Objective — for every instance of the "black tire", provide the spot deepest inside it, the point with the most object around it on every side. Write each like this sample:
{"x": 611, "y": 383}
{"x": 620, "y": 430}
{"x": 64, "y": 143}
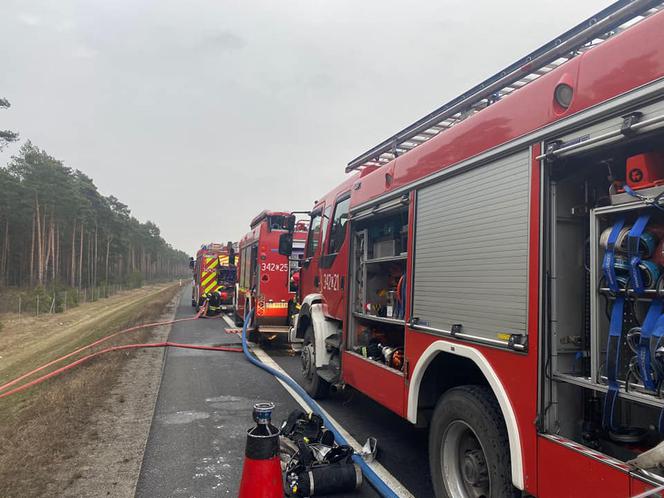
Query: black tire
{"x": 317, "y": 387}
{"x": 239, "y": 322}
{"x": 193, "y": 303}
{"x": 468, "y": 423}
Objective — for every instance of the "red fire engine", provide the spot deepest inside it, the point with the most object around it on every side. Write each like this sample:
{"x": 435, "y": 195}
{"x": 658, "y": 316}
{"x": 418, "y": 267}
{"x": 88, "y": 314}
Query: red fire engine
{"x": 214, "y": 270}
{"x": 266, "y": 281}
{"x": 493, "y": 271}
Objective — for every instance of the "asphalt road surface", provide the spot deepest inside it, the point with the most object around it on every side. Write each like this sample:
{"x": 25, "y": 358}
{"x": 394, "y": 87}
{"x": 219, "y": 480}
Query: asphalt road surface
{"x": 196, "y": 442}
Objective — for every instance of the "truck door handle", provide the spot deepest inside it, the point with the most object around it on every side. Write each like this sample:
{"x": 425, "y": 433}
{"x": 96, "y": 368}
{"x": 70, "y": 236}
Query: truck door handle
{"x": 316, "y": 281}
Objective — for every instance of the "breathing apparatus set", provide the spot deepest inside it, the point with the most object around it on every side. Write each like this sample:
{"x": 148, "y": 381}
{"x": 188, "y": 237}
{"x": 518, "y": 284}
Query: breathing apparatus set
{"x": 312, "y": 461}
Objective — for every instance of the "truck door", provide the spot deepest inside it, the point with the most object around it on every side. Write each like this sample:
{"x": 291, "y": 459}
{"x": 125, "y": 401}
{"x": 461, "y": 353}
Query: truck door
{"x": 253, "y": 270}
{"x": 333, "y": 262}
{"x": 309, "y": 278}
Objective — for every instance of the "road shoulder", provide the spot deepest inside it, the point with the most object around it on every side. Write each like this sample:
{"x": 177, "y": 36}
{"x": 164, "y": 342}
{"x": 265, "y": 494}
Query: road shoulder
{"x": 109, "y": 464}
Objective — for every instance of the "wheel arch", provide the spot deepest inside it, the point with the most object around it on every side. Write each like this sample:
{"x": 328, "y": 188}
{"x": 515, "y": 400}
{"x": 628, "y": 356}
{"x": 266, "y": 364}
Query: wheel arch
{"x": 312, "y": 313}
{"x": 303, "y": 321}
{"x": 304, "y": 315}
{"x": 479, "y": 366}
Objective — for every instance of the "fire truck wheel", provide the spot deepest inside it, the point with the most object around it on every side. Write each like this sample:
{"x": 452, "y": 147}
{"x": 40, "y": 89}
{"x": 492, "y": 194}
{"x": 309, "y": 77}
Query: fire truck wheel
{"x": 317, "y": 387}
{"x": 468, "y": 446}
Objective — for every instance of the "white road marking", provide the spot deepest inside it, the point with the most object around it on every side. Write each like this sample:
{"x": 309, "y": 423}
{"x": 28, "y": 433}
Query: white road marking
{"x": 229, "y": 321}
{"x": 380, "y": 471}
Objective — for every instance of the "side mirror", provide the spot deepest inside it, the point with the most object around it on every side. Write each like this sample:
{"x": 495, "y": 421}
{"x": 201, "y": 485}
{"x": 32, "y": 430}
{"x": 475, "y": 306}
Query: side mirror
{"x": 290, "y": 224}
{"x": 192, "y": 263}
{"x": 231, "y": 254}
{"x": 286, "y": 243}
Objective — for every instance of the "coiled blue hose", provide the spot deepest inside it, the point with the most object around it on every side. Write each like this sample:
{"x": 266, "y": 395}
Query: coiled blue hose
{"x": 377, "y": 483}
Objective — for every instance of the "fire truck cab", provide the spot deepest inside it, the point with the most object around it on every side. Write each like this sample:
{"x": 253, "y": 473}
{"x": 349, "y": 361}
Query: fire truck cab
{"x": 268, "y": 280}
{"x": 494, "y": 271}
{"x": 214, "y": 270}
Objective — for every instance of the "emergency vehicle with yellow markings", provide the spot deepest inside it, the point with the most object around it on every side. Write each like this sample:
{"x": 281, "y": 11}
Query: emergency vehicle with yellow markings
{"x": 267, "y": 281}
{"x": 214, "y": 270}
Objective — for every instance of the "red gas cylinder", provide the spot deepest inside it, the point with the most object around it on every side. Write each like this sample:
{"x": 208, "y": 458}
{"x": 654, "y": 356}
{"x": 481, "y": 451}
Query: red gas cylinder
{"x": 645, "y": 170}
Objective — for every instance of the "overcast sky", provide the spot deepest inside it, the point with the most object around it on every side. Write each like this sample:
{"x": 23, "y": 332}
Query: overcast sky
{"x": 199, "y": 114}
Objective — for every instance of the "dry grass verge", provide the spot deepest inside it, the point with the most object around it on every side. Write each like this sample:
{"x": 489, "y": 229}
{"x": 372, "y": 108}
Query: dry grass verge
{"x": 47, "y": 424}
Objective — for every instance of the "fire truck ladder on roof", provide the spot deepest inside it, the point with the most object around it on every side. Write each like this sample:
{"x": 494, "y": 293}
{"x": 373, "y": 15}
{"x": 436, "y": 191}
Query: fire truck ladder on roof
{"x": 614, "y": 19}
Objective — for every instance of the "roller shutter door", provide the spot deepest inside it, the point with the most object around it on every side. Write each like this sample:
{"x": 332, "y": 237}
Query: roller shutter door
{"x": 471, "y": 250}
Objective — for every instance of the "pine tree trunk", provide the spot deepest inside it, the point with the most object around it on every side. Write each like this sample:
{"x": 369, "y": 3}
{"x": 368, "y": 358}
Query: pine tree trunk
{"x": 44, "y": 241}
{"x": 80, "y": 259}
{"x": 5, "y": 254}
{"x": 53, "y": 250}
{"x": 40, "y": 245}
{"x": 47, "y": 248}
{"x": 2, "y": 258}
{"x": 94, "y": 266}
{"x": 72, "y": 275}
{"x": 57, "y": 259}
{"x": 87, "y": 266}
{"x": 108, "y": 252}
{"x": 32, "y": 253}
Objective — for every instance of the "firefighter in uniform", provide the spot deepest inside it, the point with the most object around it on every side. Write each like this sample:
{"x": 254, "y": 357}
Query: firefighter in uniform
{"x": 214, "y": 303}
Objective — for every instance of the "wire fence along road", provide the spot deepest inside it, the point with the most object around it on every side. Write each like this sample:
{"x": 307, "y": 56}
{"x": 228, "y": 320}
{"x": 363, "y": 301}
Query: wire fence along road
{"x": 39, "y": 302}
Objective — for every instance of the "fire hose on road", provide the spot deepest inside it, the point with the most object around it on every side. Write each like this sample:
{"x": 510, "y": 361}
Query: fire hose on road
{"x": 90, "y": 356}
{"x": 117, "y": 348}
{"x": 381, "y": 487}
{"x": 96, "y": 343}
{"x": 378, "y": 484}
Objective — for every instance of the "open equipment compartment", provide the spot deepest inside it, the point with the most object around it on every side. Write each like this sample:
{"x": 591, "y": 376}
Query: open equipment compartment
{"x": 586, "y": 209}
{"x": 379, "y": 256}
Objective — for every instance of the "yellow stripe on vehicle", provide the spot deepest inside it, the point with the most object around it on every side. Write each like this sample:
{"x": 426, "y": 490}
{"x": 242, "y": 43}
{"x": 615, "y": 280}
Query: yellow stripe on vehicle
{"x": 211, "y": 287}
{"x": 212, "y": 264}
{"x": 223, "y": 260}
{"x": 207, "y": 279}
